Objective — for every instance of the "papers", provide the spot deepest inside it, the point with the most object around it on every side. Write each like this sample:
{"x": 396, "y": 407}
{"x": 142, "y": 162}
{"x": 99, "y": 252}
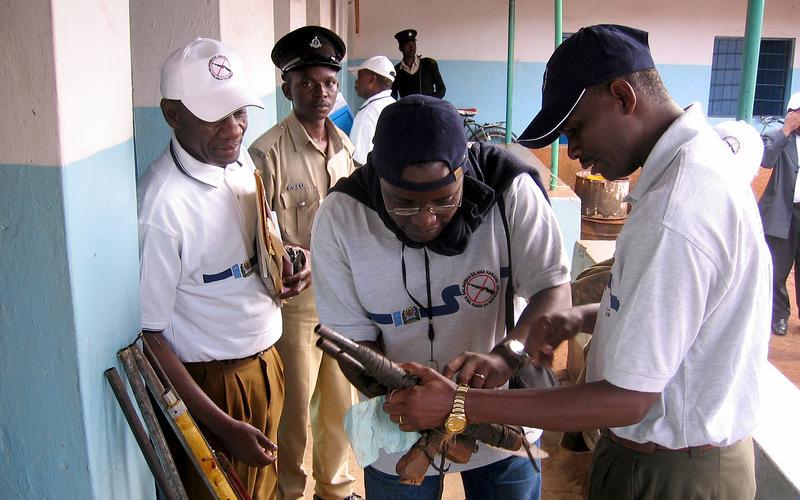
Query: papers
{"x": 269, "y": 246}
{"x": 369, "y": 429}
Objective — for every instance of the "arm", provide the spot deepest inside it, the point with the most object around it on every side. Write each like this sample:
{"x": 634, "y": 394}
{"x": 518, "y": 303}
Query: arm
{"x": 775, "y": 141}
{"x": 596, "y": 404}
{"x": 160, "y": 268}
{"x": 338, "y": 303}
{"x": 540, "y": 273}
{"x": 493, "y": 366}
{"x": 436, "y": 78}
{"x": 245, "y": 442}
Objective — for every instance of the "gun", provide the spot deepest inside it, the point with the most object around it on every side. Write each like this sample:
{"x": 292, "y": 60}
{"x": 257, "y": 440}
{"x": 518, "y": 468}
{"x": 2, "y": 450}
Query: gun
{"x": 373, "y": 375}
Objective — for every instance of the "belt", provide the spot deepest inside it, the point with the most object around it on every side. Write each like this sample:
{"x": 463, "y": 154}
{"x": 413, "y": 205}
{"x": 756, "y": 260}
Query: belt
{"x": 651, "y": 447}
{"x": 229, "y": 362}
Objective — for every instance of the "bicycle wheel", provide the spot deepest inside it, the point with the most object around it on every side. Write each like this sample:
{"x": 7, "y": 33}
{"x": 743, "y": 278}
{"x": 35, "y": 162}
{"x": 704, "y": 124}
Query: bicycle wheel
{"x": 494, "y": 134}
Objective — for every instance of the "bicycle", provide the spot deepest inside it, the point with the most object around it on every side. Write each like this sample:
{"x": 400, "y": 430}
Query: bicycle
{"x": 493, "y": 132}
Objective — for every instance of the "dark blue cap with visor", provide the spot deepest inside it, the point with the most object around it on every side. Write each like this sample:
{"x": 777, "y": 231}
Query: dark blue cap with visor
{"x": 594, "y": 55}
{"x": 418, "y": 129}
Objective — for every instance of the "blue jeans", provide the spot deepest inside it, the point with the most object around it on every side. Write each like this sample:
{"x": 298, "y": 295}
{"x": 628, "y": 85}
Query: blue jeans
{"x": 512, "y": 478}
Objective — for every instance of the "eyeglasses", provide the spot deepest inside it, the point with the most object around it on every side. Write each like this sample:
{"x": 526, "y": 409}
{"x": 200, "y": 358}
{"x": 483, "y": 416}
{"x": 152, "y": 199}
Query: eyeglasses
{"x": 434, "y": 209}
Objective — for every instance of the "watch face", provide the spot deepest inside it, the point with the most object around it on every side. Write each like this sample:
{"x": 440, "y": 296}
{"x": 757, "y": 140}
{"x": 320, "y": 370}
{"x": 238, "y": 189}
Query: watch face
{"x": 516, "y": 347}
{"x": 455, "y": 423}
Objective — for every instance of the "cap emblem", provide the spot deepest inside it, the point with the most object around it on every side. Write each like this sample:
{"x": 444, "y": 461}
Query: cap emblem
{"x": 220, "y": 67}
{"x": 315, "y": 43}
{"x": 410, "y": 35}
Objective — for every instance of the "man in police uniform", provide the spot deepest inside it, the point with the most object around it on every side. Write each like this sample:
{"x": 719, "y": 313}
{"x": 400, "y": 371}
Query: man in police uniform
{"x": 300, "y": 159}
{"x": 415, "y": 74}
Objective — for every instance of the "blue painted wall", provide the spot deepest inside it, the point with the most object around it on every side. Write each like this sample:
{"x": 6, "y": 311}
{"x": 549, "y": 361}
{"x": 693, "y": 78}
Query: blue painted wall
{"x": 70, "y": 301}
{"x": 151, "y": 132}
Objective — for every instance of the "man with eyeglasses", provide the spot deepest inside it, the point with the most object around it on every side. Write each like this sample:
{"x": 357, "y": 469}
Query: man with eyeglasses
{"x": 411, "y": 257}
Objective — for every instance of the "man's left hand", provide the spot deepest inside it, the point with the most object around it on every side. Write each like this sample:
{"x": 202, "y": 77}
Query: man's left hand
{"x": 295, "y": 283}
{"x": 423, "y": 406}
{"x": 482, "y": 371}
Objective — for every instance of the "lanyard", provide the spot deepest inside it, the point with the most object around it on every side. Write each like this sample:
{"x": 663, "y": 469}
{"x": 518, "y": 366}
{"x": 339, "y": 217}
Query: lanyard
{"x": 429, "y": 309}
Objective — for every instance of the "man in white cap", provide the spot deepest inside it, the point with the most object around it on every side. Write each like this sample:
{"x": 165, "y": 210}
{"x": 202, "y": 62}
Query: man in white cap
{"x": 780, "y": 209}
{"x": 374, "y": 83}
{"x": 205, "y": 313}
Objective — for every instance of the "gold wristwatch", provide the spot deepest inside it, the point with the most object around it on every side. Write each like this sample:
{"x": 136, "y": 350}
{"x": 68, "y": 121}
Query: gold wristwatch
{"x": 456, "y": 422}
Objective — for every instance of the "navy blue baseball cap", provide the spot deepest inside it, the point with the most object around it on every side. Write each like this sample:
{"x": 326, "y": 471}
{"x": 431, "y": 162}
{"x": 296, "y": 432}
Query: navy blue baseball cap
{"x": 593, "y": 55}
{"x": 418, "y": 129}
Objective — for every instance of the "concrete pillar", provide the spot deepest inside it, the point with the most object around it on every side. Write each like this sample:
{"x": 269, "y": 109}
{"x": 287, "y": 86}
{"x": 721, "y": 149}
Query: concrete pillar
{"x": 157, "y": 29}
{"x": 289, "y": 15}
{"x": 68, "y": 250}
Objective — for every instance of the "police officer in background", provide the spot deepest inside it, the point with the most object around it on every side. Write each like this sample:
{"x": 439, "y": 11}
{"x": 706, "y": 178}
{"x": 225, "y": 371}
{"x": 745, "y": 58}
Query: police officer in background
{"x": 415, "y": 74}
{"x": 300, "y": 158}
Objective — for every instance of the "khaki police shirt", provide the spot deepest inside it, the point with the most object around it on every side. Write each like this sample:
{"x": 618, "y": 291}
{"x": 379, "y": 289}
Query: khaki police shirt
{"x": 297, "y": 174}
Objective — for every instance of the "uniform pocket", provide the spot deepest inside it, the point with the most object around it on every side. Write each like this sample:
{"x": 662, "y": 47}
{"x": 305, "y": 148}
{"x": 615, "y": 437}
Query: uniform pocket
{"x": 299, "y": 207}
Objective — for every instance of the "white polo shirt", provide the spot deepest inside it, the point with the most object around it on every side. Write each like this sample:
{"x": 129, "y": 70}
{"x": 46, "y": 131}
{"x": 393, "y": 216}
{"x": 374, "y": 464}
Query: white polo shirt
{"x": 686, "y": 312}
{"x": 365, "y": 122}
{"x": 196, "y": 236}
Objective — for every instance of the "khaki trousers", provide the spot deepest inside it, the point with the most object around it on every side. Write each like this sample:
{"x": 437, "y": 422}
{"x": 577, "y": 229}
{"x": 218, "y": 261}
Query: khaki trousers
{"x": 316, "y": 390}
{"x": 249, "y": 390}
{"x": 619, "y": 473}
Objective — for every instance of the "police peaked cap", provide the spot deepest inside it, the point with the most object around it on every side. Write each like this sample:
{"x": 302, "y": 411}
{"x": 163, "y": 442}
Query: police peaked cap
{"x": 406, "y": 35}
{"x": 308, "y": 46}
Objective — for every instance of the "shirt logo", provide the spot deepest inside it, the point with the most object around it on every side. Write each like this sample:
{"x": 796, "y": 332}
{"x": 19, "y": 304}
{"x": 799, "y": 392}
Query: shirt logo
{"x": 480, "y": 288}
{"x": 295, "y": 187}
{"x": 220, "y": 68}
{"x": 410, "y": 315}
{"x": 315, "y": 43}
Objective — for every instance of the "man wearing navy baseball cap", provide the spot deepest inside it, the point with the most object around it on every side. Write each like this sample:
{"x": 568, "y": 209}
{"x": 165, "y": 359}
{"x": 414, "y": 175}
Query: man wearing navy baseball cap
{"x": 413, "y": 256}
{"x": 681, "y": 332}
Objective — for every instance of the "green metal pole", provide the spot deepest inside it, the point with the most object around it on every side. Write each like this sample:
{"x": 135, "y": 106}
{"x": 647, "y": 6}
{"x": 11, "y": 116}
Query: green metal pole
{"x": 554, "y": 153}
{"x": 752, "y": 46}
{"x": 510, "y": 66}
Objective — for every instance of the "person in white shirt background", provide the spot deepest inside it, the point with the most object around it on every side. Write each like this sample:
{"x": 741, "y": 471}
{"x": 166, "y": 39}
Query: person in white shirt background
{"x": 374, "y": 84}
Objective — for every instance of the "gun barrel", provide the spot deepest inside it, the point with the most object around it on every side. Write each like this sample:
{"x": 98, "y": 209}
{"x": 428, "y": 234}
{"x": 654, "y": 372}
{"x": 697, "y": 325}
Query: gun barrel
{"x": 342, "y": 342}
{"x": 375, "y": 364}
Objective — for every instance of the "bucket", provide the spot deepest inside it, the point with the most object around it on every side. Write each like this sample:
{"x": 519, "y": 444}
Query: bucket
{"x": 601, "y": 198}
{"x": 603, "y": 211}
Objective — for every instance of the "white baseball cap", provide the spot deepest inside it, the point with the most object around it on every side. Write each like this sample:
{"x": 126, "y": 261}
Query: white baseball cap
{"x": 378, "y": 64}
{"x": 208, "y": 78}
{"x": 794, "y": 102}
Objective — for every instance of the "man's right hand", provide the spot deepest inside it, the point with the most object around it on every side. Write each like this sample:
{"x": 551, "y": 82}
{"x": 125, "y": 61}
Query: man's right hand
{"x": 791, "y": 122}
{"x": 550, "y": 330}
{"x": 247, "y": 444}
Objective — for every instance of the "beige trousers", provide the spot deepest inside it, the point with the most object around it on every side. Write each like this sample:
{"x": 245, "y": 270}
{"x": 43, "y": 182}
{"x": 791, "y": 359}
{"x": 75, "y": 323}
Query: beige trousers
{"x": 316, "y": 391}
{"x": 250, "y": 390}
